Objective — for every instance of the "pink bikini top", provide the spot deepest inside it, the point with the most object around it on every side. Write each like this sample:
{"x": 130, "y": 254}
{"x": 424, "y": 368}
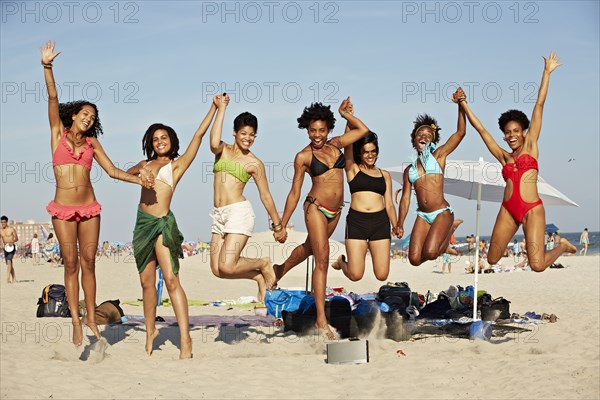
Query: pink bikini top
{"x": 64, "y": 153}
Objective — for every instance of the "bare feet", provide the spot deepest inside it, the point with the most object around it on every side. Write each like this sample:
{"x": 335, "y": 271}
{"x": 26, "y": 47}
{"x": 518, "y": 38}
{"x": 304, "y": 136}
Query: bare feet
{"x": 185, "y": 349}
{"x": 77, "y": 333}
{"x": 268, "y": 273}
{"x": 262, "y": 288}
{"x": 325, "y": 330}
{"x": 339, "y": 263}
{"x": 150, "y": 336}
{"x": 568, "y": 246}
{"x": 93, "y": 327}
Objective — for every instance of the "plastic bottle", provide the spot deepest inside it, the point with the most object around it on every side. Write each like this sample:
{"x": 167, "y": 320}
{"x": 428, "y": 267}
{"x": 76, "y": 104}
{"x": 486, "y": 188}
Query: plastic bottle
{"x": 480, "y": 330}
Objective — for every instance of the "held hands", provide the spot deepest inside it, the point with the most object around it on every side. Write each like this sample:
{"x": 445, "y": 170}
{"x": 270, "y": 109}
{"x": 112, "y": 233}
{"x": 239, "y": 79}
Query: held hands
{"x": 459, "y": 96}
{"x": 221, "y": 101}
{"x": 551, "y": 63}
{"x": 146, "y": 178}
{"x": 346, "y": 107}
{"x": 398, "y": 231}
{"x": 280, "y": 236}
{"x": 48, "y": 54}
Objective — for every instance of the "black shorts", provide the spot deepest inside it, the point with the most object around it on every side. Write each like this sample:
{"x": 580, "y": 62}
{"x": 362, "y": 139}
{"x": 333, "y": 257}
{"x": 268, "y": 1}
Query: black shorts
{"x": 9, "y": 256}
{"x": 368, "y": 226}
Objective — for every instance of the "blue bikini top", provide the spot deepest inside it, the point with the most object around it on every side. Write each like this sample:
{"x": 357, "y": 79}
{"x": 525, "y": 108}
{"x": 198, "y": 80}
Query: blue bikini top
{"x": 430, "y": 164}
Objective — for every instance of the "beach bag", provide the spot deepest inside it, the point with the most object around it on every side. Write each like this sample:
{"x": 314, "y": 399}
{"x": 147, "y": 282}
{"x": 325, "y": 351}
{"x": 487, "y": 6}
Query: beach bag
{"x": 53, "y": 302}
{"x": 338, "y": 312}
{"x": 398, "y": 297}
{"x": 109, "y": 312}
{"x": 279, "y": 300}
{"x": 499, "y": 304}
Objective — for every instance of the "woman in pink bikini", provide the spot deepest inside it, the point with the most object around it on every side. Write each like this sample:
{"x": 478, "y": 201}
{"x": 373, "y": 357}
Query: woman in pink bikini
{"x": 74, "y": 129}
{"x": 522, "y": 204}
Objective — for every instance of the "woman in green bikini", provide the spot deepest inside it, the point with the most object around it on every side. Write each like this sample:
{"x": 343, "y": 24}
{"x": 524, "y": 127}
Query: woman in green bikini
{"x": 324, "y": 161}
{"x": 156, "y": 238}
{"x": 233, "y": 216}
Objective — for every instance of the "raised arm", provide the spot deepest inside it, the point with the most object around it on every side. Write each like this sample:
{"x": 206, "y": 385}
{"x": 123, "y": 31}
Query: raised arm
{"x": 358, "y": 130}
{"x": 489, "y": 141}
{"x": 404, "y": 203}
{"x": 351, "y": 167}
{"x": 56, "y": 126}
{"x": 461, "y": 128}
{"x": 550, "y": 64}
{"x": 182, "y": 163}
{"x": 216, "y": 145}
{"x": 257, "y": 171}
{"x": 144, "y": 179}
{"x": 292, "y": 199}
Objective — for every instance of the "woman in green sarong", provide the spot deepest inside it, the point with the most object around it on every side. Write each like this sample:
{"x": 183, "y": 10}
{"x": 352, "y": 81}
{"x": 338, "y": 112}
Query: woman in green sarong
{"x": 156, "y": 238}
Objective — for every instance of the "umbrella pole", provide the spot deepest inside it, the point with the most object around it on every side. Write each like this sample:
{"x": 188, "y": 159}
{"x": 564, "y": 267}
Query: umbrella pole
{"x": 476, "y": 267}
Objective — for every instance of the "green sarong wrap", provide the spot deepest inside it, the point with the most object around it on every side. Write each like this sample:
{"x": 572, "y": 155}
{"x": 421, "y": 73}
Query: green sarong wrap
{"x": 146, "y": 232}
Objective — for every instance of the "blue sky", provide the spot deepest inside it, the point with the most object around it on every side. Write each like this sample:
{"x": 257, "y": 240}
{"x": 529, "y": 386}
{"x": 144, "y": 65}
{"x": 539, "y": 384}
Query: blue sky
{"x": 154, "y": 61}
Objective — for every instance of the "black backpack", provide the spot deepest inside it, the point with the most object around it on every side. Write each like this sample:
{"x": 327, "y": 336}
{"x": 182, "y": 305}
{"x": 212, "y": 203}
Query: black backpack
{"x": 53, "y": 302}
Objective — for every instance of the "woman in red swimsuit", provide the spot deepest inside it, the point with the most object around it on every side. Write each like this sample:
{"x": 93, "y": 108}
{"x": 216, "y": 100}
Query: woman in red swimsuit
{"x": 323, "y": 160}
{"x": 522, "y": 204}
{"x": 74, "y": 128}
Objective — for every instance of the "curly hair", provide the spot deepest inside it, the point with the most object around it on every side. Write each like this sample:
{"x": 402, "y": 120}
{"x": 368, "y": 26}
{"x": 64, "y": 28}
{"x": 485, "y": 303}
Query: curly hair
{"x": 371, "y": 137}
{"x": 513, "y": 115}
{"x": 245, "y": 119}
{"x": 67, "y": 110}
{"x": 147, "y": 142}
{"x": 316, "y": 112}
{"x": 425, "y": 119}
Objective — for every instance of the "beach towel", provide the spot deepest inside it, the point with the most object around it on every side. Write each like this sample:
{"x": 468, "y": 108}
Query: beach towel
{"x": 147, "y": 229}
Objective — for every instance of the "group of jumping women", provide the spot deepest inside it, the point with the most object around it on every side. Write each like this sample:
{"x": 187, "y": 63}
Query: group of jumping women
{"x": 370, "y": 222}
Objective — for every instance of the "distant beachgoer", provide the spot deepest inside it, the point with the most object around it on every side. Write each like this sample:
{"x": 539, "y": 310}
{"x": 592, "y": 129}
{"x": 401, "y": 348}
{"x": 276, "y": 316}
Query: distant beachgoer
{"x": 435, "y": 221}
{"x": 521, "y": 204}
{"x": 233, "y": 216}
{"x": 9, "y": 238}
{"x": 74, "y": 129}
{"x": 446, "y": 263}
{"x": 156, "y": 238}
{"x": 471, "y": 243}
{"x": 584, "y": 240}
{"x": 515, "y": 248}
{"x": 324, "y": 161}
{"x": 371, "y": 211}
{"x": 35, "y": 249}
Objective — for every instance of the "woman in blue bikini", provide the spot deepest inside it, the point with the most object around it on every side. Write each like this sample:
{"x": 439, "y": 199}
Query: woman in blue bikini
{"x": 435, "y": 222}
{"x": 324, "y": 161}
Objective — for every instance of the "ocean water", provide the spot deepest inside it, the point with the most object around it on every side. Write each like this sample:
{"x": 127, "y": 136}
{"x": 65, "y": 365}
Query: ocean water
{"x": 573, "y": 237}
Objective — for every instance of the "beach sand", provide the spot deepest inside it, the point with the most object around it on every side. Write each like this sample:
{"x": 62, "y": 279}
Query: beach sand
{"x": 559, "y": 360}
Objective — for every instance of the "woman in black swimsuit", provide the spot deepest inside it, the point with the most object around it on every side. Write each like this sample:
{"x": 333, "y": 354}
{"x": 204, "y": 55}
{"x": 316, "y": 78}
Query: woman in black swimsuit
{"x": 371, "y": 211}
{"x": 323, "y": 160}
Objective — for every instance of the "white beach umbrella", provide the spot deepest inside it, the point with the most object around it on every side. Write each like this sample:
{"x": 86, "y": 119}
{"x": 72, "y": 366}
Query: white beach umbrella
{"x": 462, "y": 177}
{"x": 483, "y": 180}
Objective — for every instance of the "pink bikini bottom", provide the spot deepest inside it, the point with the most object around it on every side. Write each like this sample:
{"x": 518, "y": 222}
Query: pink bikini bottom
{"x": 76, "y": 213}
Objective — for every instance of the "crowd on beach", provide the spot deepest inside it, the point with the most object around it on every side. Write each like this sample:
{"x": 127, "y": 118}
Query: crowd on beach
{"x": 329, "y": 162}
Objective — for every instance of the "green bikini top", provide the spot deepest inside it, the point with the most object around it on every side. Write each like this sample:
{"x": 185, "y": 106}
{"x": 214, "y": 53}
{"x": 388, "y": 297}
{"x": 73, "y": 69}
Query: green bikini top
{"x": 232, "y": 168}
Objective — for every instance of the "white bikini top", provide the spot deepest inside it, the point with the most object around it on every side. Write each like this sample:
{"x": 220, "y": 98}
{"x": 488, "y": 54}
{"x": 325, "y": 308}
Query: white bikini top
{"x": 165, "y": 174}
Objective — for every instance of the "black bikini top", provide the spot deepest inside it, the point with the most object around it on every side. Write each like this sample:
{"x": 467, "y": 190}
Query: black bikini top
{"x": 366, "y": 183}
{"x": 317, "y": 167}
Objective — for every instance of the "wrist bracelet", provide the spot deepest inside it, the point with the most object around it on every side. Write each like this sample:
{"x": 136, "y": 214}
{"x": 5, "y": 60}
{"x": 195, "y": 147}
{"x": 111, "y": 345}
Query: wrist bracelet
{"x": 47, "y": 66}
{"x": 343, "y": 113}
